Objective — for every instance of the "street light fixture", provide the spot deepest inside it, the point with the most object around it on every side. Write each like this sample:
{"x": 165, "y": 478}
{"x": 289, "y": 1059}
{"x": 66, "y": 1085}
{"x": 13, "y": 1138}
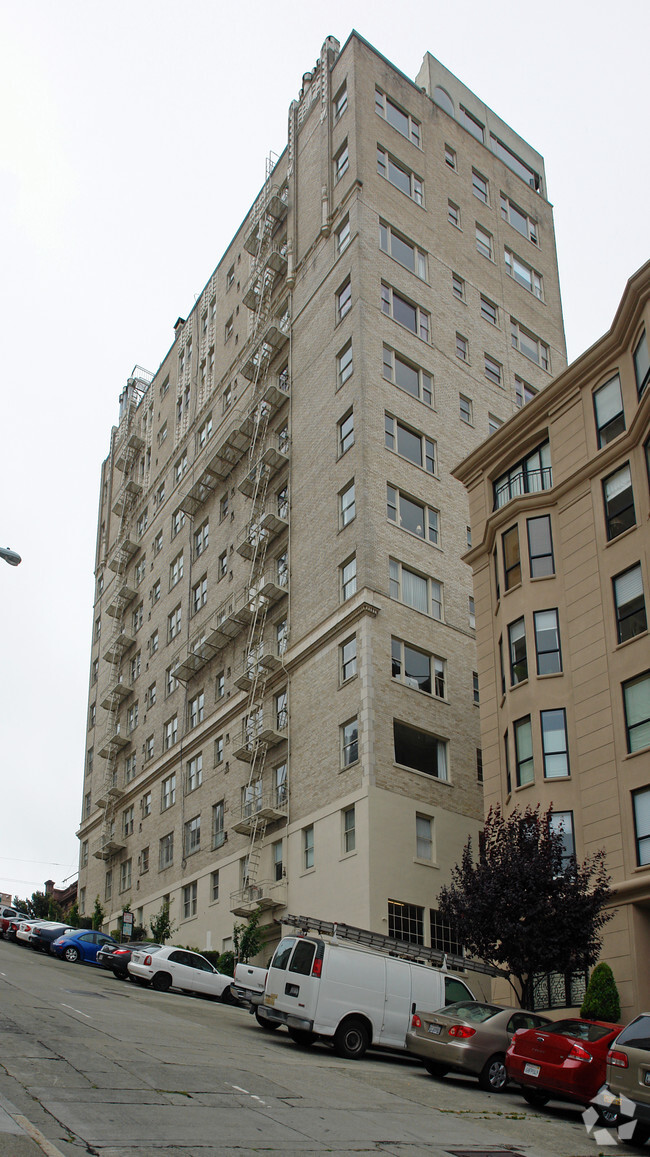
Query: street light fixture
{"x": 10, "y": 555}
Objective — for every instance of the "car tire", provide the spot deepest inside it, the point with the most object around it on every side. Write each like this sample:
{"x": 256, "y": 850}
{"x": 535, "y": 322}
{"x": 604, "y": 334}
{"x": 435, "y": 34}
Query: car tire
{"x": 269, "y": 1025}
{"x": 435, "y": 1070}
{"x": 227, "y": 995}
{"x": 141, "y": 980}
{"x": 119, "y": 975}
{"x": 609, "y": 1117}
{"x": 71, "y": 954}
{"x": 536, "y": 1098}
{"x": 351, "y": 1039}
{"x": 302, "y": 1037}
{"x": 493, "y": 1076}
{"x": 161, "y": 981}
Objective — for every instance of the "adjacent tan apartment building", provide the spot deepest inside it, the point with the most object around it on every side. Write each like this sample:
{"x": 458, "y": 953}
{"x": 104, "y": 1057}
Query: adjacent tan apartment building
{"x": 559, "y": 508}
{"x": 283, "y": 699}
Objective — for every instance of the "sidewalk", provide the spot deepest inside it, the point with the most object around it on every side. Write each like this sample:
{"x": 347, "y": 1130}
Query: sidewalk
{"x": 19, "y": 1138}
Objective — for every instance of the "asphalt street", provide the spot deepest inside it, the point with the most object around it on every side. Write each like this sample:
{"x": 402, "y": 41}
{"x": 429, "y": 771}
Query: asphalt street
{"x": 92, "y": 1065}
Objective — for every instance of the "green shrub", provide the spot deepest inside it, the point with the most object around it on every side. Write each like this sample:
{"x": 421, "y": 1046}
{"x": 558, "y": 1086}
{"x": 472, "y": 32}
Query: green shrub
{"x": 226, "y": 963}
{"x": 601, "y": 1000}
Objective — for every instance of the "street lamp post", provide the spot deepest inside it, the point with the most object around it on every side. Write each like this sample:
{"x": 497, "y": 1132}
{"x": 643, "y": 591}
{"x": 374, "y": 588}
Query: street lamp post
{"x": 10, "y": 555}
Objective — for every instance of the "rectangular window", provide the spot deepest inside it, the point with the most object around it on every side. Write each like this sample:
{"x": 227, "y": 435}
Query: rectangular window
{"x": 475, "y": 689}
{"x": 218, "y": 750}
{"x": 619, "y": 502}
{"x": 196, "y": 709}
{"x": 409, "y": 444}
{"x": 399, "y": 175}
{"x": 453, "y": 214}
{"x": 489, "y": 311}
{"x": 347, "y": 505}
{"x": 281, "y": 711}
{"x": 423, "y": 838}
{"x": 343, "y": 236}
{"x": 343, "y": 300}
{"x": 458, "y": 286}
{"x": 493, "y": 423}
{"x": 450, "y": 157}
{"x": 341, "y": 161}
{"x": 524, "y": 751}
{"x": 608, "y": 409}
{"x": 149, "y": 747}
{"x": 493, "y": 370}
{"x": 518, "y": 655}
{"x": 480, "y": 187}
{"x": 515, "y": 164}
{"x": 471, "y": 124}
{"x": 204, "y": 433}
{"x": 405, "y": 312}
{"x": 408, "y": 377}
{"x": 629, "y": 603}
{"x": 346, "y": 433}
{"x": 641, "y": 807}
{"x": 170, "y": 732}
{"x": 146, "y": 804}
{"x": 540, "y": 546}
{"x": 402, "y": 250}
{"x": 218, "y": 834}
{"x": 176, "y": 570}
{"x": 444, "y": 936}
{"x": 462, "y": 348}
{"x": 280, "y": 785}
{"x": 174, "y": 623}
{"x": 636, "y": 703}
{"x": 195, "y": 772}
{"x": 641, "y": 359}
{"x": 349, "y": 831}
{"x": 417, "y": 669}
{"x": 519, "y": 220}
{"x": 348, "y": 654}
{"x": 166, "y": 851}
{"x": 528, "y": 344}
{"x": 547, "y": 642}
{"x": 420, "y": 750}
{"x": 144, "y": 861}
{"x": 180, "y": 468}
{"x": 199, "y": 594}
{"x": 423, "y": 594}
{"x": 523, "y": 391}
{"x": 511, "y": 557}
{"x": 278, "y": 866}
{"x": 137, "y": 617}
{"x": 397, "y": 117}
{"x": 555, "y": 747}
{"x": 523, "y": 273}
{"x": 484, "y": 242}
{"x": 189, "y": 900}
{"x": 178, "y": 522}
{"x": 168, "y": 792}
{"x": 222, "y": 565}
{"x": 412, "y": 516}
{"x": 214, "y": 886}
{"x": 171, "y": 682}
{"x": 192, "y": 836}
{"x": 308, "y": 847}
{"x": 530, "y": 475}
{"x": 479, "y": 765}
{"x": 158, "y": 542}
{"x": 562, "y": 824}
{"x": 406, "y": 922}
{"x": 344, "y": 364}
{"x": 340, "y": 102}
{"x": 349, "y": 742}
{"x": 125, "y": 875}
{"x": 108, "y": 885}
{"x": 348, "y": 578}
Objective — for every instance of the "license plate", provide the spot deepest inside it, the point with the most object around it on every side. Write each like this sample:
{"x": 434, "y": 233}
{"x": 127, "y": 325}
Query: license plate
{"x": 646, "y": 1077}
{"x": 436, "y": 1029}
{"x": 531, "y": 1070}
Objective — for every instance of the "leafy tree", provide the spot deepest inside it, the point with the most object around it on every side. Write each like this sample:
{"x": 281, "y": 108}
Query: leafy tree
{"x": 98, "y": 915}
{"x": 523, "y": 908}
{"x": 73, "y": 915}
{"x": 226, "y": 963}
{"x": 161, "y": 925}
{"x": 38, "y": 907}
{"x": 601, "y": 1000}
{"x": 248, "y": 938}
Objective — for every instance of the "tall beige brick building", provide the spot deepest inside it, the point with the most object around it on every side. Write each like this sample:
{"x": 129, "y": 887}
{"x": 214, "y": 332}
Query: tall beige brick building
{"x": 559, "y": 507}
{"x": 283, "y": 700}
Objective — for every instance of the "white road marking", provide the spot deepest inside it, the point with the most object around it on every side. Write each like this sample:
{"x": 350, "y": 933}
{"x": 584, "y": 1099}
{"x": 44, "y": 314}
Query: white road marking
{"x": 240, "y": 1090}
{"x": 77, "y": 1010}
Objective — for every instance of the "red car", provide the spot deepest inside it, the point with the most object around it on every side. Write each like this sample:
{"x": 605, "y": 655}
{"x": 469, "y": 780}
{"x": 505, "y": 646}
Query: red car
{"x": 565, "y": 1061}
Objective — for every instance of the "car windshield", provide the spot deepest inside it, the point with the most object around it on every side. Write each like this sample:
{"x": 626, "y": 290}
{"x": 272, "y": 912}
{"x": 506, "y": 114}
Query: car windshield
{"x": 579, "y": 1030}
{"x": 472, "y": 1010}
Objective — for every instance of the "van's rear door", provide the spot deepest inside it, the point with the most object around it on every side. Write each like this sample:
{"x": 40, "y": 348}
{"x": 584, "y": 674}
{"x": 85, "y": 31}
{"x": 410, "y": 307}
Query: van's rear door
{"x": 293, "y": 982}
{"x": 397, "y": 1004}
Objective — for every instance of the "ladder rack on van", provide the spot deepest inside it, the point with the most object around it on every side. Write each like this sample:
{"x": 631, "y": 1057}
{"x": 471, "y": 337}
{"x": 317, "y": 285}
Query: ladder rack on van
{"x": 377, "y": 940}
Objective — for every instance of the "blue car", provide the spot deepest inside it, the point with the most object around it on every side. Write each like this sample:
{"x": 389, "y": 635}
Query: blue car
{"x": 82, "y": 945}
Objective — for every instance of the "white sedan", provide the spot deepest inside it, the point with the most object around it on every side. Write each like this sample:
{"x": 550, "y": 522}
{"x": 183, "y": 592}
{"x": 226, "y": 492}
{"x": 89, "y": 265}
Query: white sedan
{"x": 179, "y": 968}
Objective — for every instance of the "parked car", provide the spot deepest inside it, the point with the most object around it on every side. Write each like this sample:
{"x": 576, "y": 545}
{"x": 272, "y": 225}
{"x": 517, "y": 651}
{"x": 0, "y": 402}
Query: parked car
{"x": 627, "y": 1089}
{"x": 9, "y": 924}
{"x": 171, "y": 967}
{"x": 83, "y": 945}
{"x": 6, "y": 911}
{"x": 564, "y": 1062}
{"x": 469, "y": 1036}
{"x": 116, "y": 959}
{"x": 43, "y": 935}
{"x": 26, "y": 928}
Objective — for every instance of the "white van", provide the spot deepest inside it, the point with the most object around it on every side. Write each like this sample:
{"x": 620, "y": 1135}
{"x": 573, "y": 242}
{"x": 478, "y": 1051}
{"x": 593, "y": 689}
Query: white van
{"x": 355, "y": 997}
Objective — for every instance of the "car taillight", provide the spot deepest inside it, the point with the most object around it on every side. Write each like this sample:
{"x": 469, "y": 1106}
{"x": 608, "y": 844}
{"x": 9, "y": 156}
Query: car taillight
{"x": 147, "y": 960}
{"x": 579, "y": 1054}
{"x": 461, "y": 1030}
{"x": 415, "y": 1021}
{"x": 616, "y": 1058}
{"x": 119, "y": 951}
{"x": 317, "y": 968}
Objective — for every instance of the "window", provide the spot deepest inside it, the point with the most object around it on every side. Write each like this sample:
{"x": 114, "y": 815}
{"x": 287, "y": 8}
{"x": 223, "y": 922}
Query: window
{"x": 453, "y": 214}
{"x": 423, "y": 838}
{"x": 349, "y": 832}
{"x": 397, "y": 117}
{"x": 493, "y": 423}
{"x": 555, "y": 748}
{"x": 230, "y": 278}
{"x": 218, "y": 833}
{"x": 619, "y": 502}
{"x": 170, "y": 732}
{"x": 180, "y": 468}
{"x": 149, "y": 747}
{"x": 125, "y": 875}
{"x": 471, "y": 124}
{"x": 281, "y": 711}
{"x": 189, "y": 900}
{"x": 164, "y": 387}
{"x": 523, "y": 273}
{"x": 174, "y": 623}
{"x": 176, "y": 570}
{"x": 159, "y": 496}
{"x": 199, "y": 594}
{"x": 87, "y": 805}
{"x": 222, "y": 565}
{"x": 348, "y": 653}
{"x": 90, "y": 759}
{"x": 155, "y": 591}
{"x": 158, "y": 542}
{"x": 280, "y": 784}
{"x": 444, "y": 937}
{"x": 489, "y": 311}
{"x": 511, "y": 557}
{"x": 400, "y": 176}
{"x": 419, "y": 750}
{"x": 458, "y": 286}
{"x": 480, "y": 187}
{"x": 349, "y": 742}
{"x": 226, "y": 399}
{"x": 523, "y": 392}
{"x": 344, "y": 364}
{"x": 402, "y": 250}
{"x": 450, "y": 157}
{"x": 475, "y": 691}
{"x": 471, "y": 606}
{"x": 218, "y": 750}
{"x": 136, "y": 663}
{"x": 108, "y": 884}
{"x": 524, "y": 751}
{"x": 518, "y": 655}
{"x": 608, "y": 408}
{"x": 409, "y": 444}
{"x": 405, "y": 312}
{"x": 171, "y": 682}
{"x": 166, "y": 851}
{"x": 641, "y": 360}
{"x": 462, "y": 348}
{"x": 515, "y": 163}
{"x": 636, "y": 702}
{"x": 178, "y": 522}
{"x": 518, "y": 219}
{"x": 547, "y": 642}
{"x": 412, "y": 516}
{"x": 142, "y": 523}
{"x": 465, "y": 409}
{"x": 423, "y": 594}
{"x": 343, "y": 236}
{"x": 531, "y": 346}
{"x": 408, "y": 377}
{"x": 281, "y": 637}
{"x": 195, "y": 772}
{"x": 282, "y": 569}
{"x": 220, "y": 685}
{"x": 132, "y": 718}
{"x": 341, "y": 161}
{"x": 204, "y": 433}
{"x": 346, "y": 432}
{"x": 641, "y": 808}
{"x": 406, "y": 922}
{"x": 348, "y": 578}
{"x": 540, "y": 546}
{"x": 140, "y": 570}
{"x": 196, "y": 709}
{"x": 228, "y": 328}
{"x": 192, "y": 836}
{"x": 214, "y": 885}
{"x": 128, "y": 819}
{"x": 137, "y": 617}
{"x": 308, "y": 847}
{"x": 484, "y": 242}
{"x": 84, "y": 854}
{"x": 417, "y": 669}
{"x": 144, "y": 860}
{"x": 278, "y": 867}
{"x": 343, "y": 301}
{"x": 146, "y": 804}
{"x": 340, "y": 102}
{"x": 562, "y": 824}
{"x": 629, "y": 603}
{"x": 347, "y": 506}
{"x": 531, "y": 474}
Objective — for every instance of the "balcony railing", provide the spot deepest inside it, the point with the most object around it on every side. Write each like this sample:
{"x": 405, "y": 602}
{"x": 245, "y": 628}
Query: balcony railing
{"x": 264, "y": 894}
{"x": 523, "y": 482}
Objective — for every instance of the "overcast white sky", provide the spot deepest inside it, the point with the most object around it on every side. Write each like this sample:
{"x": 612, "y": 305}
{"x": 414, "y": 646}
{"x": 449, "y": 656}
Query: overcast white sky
{"x": 133, "y": 137}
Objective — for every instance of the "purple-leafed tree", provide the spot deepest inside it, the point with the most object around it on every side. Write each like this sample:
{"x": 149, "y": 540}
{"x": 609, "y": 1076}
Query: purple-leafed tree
{"x": 523, "y": 905}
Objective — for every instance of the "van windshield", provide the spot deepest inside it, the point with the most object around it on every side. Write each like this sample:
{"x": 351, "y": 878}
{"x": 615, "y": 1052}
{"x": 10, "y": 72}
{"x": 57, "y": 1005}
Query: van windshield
{"x": 302, "y": 959}
{"x": 283, "y": 952}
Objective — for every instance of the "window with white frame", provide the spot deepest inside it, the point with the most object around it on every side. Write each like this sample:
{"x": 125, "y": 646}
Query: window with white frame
{"x": 171, "y": 682}
{"x": 218, "y": 750}
{"x": 251, "y": 798}
{"x": 176, "y": 570}
{"x": 555, "y": 744}
{"x": 420, "y": 750}
{"x": 450, "y": 157}
{"x": 349, "y": 742}
{"x": 344, "y": 364}
{"x": 128, "y": 820}
{"x": 493, "y": 370}
{"x": 192, "y": 835}
{"x": 136, "y": 666}
{"x": 484, "y": 242}
{"x": 423, "y": 837}
{"x": 348, "y": 572}
{"x": 201, "y": 538}
{"x": 489, "y": 311}
{"x": 342, "y": 236}
{"x": 166, "y": 851}
{"x": 453, "y": 214}
{"x": 130, "y": 767}
{"x": 417, "y": 669}
{"x": 523, "y": 391}
{"x": 407, "y": 376}
{"x": 149, "y": 747}
{"x": 518, "y": 652}
{"x": 458, "y": 286}
{"x": 523, "y": 273}
{"x": 519, "y": 220}
{"x": 308, "y": 847}
{"x": 168, "y": 791}
{"x": 341, "y": 161}
{"x": 347, "y": 505}
{"x": 282, "y": 569}
{"x": 190, "y": 900}
{"x": 278, "y": 866}
{"x": 629, "y": 603}
{"x": 402, "y": 250}
{"x": 641, "y": 810}
{"x": 348, "y": 658}
{"x": 178, "y": 521}
{"x": 137, "y": 617}
{"x": 528, "y": 344}
{"x": 409, "y": 444}
{"x": 195, "y": 772}
{"x": 170, "y": 732}
{"x": 156, "y": 591}
{"x": 412, "y": 516}
{"x": 471, "y": 124}
{"x": 132, "y": 717}
{"x": 349, "y": 830}
{"x": 214, "y": 886}
{"x": 222, "y": 565}
{"x": 618, "y": 495}
{"x": 405, "y": 312}
{"x": 415, "y": 590}
{"x": 174, "y": 623}
{"x": 199, "y": 594}
{"x": 204, "y": 432}
{"x": 401, "y": 120}
{"x": 280, "y": 784}
{"x": 140, "y": 570}
{"x": 480, "y": 186}
{"x": 218, "y": 833}
{"x": 281, "y": 710}
{"x": 180, "y": 467}
{"x": 462, "y": 347}
{"x": 125, "y": 875}
{"x": 158, "y": 542}
{"x": 608, "y": 410}
{"x": 547, "y": 642}
{"x": 493, "y": 423}
{"x": 281, "y": 637}
{"x": 344, "y": 300}
{"x": 146, "y": 804}
{"x": 340, "y": 101}
{"x": 399, "y": 175}
{"x": 196, "y": 709}
{"x": 346, "y": 432}
{"x": 108, "y": 884}
{"x": 142, "y": 523}
{"x": 636, "y": 704}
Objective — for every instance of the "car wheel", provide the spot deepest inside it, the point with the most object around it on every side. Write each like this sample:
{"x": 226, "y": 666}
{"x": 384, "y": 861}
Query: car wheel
{"x": 537, "y": 1098}
{"x": 435, "y": 1070}
{"x": 493, "y": 1077}
{"x": 162, "y": 981}
{"x": 351, "y": 1039}
{"x": 142, "y": 980}
{"x": 71, "y": 954}
{"x": 610, "y": 1116}
{"x": 119, "y": 975}
{"x": 301, "y": 1037}
{"x": 269, "y": 1025}
{"x": 227, "y": 995}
